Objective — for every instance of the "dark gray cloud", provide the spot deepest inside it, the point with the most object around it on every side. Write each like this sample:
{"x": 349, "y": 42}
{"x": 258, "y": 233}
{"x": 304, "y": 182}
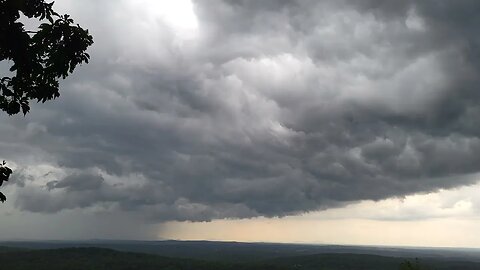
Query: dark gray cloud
{"x": 268, "y": 108}
{"x": 77, "y": 182}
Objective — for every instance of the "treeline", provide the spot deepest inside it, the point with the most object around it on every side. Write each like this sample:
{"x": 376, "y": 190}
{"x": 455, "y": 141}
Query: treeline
{"x": 107, "y": 259}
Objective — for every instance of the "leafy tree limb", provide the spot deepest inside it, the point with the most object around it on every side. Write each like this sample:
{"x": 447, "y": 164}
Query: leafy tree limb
{"x": 39, "y": 58}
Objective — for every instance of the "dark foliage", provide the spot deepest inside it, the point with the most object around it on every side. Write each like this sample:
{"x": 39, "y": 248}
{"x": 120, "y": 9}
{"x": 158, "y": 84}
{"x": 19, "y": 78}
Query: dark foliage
{"x": 409, "y": 265}
{"x": 97, "y": 259}
{"x": 100, "y": 258}
{"x": 38, "y": 58}
{"x": 5, "y": 173}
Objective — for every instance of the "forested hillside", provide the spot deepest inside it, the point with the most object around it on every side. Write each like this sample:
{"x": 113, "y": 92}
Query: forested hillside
{"x": 106, "y": 259}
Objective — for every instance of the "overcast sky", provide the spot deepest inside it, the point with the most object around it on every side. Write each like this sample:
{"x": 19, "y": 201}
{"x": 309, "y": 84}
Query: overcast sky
{"x": 333, "y": 121}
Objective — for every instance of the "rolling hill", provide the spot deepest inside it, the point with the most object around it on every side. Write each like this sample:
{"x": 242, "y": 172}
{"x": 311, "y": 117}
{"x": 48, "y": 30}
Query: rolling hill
{"x": 108, "y": 259}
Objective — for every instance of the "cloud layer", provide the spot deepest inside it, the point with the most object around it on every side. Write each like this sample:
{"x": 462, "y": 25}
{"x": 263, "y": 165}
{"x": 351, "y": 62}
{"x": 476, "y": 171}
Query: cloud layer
{"x": 255, "y": 108}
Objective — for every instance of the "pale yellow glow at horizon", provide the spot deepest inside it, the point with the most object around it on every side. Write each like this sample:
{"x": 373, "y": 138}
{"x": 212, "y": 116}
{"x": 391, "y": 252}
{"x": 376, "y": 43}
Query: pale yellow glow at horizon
{"x": 428, "y": 233}
{"x": 447, "y": 218}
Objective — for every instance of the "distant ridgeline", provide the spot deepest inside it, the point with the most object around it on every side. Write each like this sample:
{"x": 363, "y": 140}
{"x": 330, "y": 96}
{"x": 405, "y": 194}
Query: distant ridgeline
{"x": 47, "y": 255}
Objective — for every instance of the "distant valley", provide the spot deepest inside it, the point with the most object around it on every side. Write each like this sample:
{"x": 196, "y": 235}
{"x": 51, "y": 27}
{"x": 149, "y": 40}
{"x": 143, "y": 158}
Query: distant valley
{"x": 100, "y": 254}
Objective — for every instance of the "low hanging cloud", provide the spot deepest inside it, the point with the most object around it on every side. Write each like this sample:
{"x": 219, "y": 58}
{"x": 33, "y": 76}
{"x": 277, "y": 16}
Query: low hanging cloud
{"x": 260, "y": 108}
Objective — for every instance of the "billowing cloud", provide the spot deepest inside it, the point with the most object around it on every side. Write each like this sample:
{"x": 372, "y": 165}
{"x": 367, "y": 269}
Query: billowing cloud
{"x": 255, "y": 108}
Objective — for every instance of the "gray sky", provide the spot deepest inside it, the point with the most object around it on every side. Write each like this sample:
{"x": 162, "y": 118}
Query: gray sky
{"x": 253, "y": 111}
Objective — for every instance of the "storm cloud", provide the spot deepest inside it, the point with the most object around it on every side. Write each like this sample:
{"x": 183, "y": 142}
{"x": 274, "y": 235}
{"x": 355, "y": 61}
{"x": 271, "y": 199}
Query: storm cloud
{"x": 255, "y": 108}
